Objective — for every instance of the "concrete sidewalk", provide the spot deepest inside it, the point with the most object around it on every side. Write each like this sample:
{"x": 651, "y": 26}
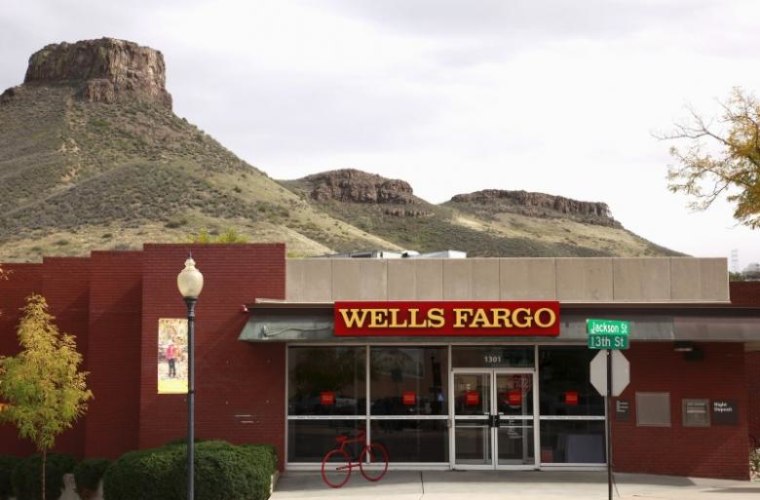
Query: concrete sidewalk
{"x": 528, "y": 485}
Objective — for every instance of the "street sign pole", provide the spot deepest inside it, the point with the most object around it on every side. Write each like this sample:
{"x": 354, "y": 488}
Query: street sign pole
{"x": 609, "y": 424}
{"x": 609, "y": 335}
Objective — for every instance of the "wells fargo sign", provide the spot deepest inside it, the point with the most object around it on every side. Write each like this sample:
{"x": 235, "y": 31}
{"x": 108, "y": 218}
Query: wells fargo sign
{"x": 381, "y": 319}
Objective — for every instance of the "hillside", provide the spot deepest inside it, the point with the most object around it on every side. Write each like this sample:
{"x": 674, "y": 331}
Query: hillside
{"x": 111, "y": 168}
{"x": 491, "y": 223}
{"x": 93, "y": 157}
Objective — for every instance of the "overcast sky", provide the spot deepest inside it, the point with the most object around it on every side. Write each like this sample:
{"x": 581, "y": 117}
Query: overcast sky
{"x": 555, "y": 96}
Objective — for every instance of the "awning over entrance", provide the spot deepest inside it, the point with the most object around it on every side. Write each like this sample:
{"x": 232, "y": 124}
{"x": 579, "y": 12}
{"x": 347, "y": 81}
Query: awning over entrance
{"x": 306, "y": 323}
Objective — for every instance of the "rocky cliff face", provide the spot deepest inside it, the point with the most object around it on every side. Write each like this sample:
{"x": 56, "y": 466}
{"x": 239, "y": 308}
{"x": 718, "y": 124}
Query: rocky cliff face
{"x": 105, "y": 70}
{"x": 349, "y": 185}
{"x": 539, "y": 205}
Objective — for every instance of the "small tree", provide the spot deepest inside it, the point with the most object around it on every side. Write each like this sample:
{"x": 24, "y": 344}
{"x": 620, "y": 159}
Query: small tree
{"x": 45, "y": 391}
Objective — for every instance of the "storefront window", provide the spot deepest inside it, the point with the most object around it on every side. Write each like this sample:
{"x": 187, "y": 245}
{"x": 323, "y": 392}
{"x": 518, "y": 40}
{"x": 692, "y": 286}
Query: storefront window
{"x": 326, "y": 381}
{"x": 408, "y": 381}
{"x": 413, "y": 440}
{"x": 310, "y": 440}
{"x": 492, "y": 357}
{"x": 565, "y": 382}
{"x": 572, "y": 441}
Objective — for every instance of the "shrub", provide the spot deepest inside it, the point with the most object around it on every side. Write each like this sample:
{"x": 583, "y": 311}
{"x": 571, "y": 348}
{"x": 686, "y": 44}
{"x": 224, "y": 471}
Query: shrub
{"x": 27, "y": 481}
{"x": 227, "y": 472}
{"x": 88, "y": 474}
{"x": 222, "y": 472}
{"x": 143, "y": 474}
{"x": 7, "y": 464}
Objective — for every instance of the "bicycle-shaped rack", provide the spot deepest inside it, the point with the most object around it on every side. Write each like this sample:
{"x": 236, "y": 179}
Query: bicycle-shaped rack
{"x": 337, "y": 463}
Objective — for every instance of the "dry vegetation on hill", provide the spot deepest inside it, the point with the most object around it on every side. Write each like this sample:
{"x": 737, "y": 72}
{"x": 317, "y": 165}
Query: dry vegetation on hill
{"x": 101, "y": 162}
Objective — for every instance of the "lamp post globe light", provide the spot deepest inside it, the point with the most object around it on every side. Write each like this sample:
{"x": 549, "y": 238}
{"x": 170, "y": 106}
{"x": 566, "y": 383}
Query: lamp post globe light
{"x": 190, "y": 284}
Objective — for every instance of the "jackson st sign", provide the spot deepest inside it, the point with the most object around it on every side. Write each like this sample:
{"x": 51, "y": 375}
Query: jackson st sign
{"x": 491, "y": 318}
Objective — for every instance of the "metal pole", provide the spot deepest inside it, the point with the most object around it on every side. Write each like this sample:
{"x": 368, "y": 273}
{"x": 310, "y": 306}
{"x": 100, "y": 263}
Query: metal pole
{"x": 609, "y": 424}
{"x": 190, "y": 397}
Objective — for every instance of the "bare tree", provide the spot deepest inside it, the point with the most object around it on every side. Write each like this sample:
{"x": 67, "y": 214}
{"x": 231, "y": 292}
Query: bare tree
{"x": 720, "y": 157}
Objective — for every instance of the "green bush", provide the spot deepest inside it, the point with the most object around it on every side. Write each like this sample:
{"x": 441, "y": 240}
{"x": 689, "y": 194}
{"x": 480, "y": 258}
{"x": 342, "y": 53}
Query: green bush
{"x": 26, "y": 476}
{"x": 88, "y": 474}
{"x": 222, "y": 472}
{"x": 7, "y": 464}
{"x": 143, "y": 474}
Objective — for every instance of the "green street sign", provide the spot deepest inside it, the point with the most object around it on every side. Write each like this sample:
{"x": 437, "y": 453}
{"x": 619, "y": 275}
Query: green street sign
{"x": 607, "y": 341}
{"x": 607, "y": 333}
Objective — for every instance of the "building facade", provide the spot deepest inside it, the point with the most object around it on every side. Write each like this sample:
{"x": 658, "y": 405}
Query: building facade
{"x": 507, "y": 388}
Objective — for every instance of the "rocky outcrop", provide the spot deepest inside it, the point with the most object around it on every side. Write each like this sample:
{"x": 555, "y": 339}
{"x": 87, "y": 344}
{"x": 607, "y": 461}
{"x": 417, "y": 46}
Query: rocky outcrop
{"x": 355, "y": 186}
{"x": 105, "y": 70}
{"x": 538, "y": 205}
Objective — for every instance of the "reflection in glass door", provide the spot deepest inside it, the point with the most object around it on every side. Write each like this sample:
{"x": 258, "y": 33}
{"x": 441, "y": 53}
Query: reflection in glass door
{"x": 514, "y": 419}
{"x": 493, "y": 419}
{"x": 472, "y": 418}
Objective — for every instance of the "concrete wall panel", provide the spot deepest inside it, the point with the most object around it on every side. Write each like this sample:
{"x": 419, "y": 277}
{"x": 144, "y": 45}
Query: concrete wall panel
{"x": 527, "y": 279}
{"x": 584, "y": 279}
{"x": 641, "y": 280}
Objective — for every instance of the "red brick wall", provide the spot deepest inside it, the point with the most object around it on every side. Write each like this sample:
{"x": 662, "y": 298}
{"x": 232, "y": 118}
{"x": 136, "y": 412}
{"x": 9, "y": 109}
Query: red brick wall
{"x": 113, "y": 353}
{"x": 747, "y": 294}
{"x": 64, "y": 282}
{"x": 233, "y": 378}
{"x": 715, "y": 451}
{"x": 752, "y": 360}
{"x": 66, "y": 287}
{"x": 24, "y": 279}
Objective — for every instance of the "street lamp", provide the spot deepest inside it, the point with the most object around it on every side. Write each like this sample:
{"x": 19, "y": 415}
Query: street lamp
{"x": 190, "y": 284}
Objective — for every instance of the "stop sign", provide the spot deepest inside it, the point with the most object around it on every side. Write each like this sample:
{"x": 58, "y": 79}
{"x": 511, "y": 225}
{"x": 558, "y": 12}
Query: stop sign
{"x": 621, "y": 373}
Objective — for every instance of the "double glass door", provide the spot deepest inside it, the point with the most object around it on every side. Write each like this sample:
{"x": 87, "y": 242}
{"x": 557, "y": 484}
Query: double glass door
{"x": 494, "y": 418}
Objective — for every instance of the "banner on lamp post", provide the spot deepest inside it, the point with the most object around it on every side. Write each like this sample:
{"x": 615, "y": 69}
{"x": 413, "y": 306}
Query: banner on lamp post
{"x": 172, "y": 356}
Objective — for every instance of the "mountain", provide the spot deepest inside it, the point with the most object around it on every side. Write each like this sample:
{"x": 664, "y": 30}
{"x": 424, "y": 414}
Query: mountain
{"x": 487, "y": 223}
{"x": 93, "y": 157}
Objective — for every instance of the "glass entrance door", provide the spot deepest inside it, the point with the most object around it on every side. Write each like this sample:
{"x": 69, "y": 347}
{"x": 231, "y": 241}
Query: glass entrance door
{"x": 493, "y": 419}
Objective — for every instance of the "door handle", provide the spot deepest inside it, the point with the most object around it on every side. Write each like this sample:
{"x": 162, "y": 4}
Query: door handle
{"x": 493, "y": 421}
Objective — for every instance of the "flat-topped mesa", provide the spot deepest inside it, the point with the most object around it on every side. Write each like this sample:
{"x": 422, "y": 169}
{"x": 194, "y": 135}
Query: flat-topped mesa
{"x": 350, "y": 185}
{"x": 540, "y": 205}
{"x": 104, "y": 70}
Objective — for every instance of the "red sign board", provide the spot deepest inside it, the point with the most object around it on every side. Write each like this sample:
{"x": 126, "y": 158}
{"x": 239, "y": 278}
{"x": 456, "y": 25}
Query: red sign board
{"x": 472, "y": 398}
{"x": 571, "y": 398}
{"x": 514, "y": 398}
{"x": 409, "y": 398}
{"x": 327, "y": 398}
{"x": 472, "y": 319}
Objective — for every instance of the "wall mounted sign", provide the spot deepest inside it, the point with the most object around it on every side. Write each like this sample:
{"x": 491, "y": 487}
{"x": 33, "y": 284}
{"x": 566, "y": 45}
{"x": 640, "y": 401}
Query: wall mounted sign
{"x": 622, "y": 410}
{"x": 470, "y": 319}
{"x": 725, "y": 412}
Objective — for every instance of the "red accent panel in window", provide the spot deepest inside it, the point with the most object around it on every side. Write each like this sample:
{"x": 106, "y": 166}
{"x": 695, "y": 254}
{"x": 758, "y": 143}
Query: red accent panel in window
{"x": 472, "y": 398}
{"x": 327, "y": 398}
{"x": 409, "y": 398}
{"x": 514, "y": 398}
{"x": 571, "y": 398}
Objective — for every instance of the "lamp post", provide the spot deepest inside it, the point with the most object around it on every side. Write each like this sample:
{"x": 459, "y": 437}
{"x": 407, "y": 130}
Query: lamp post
{"x": 190, "y": 284}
